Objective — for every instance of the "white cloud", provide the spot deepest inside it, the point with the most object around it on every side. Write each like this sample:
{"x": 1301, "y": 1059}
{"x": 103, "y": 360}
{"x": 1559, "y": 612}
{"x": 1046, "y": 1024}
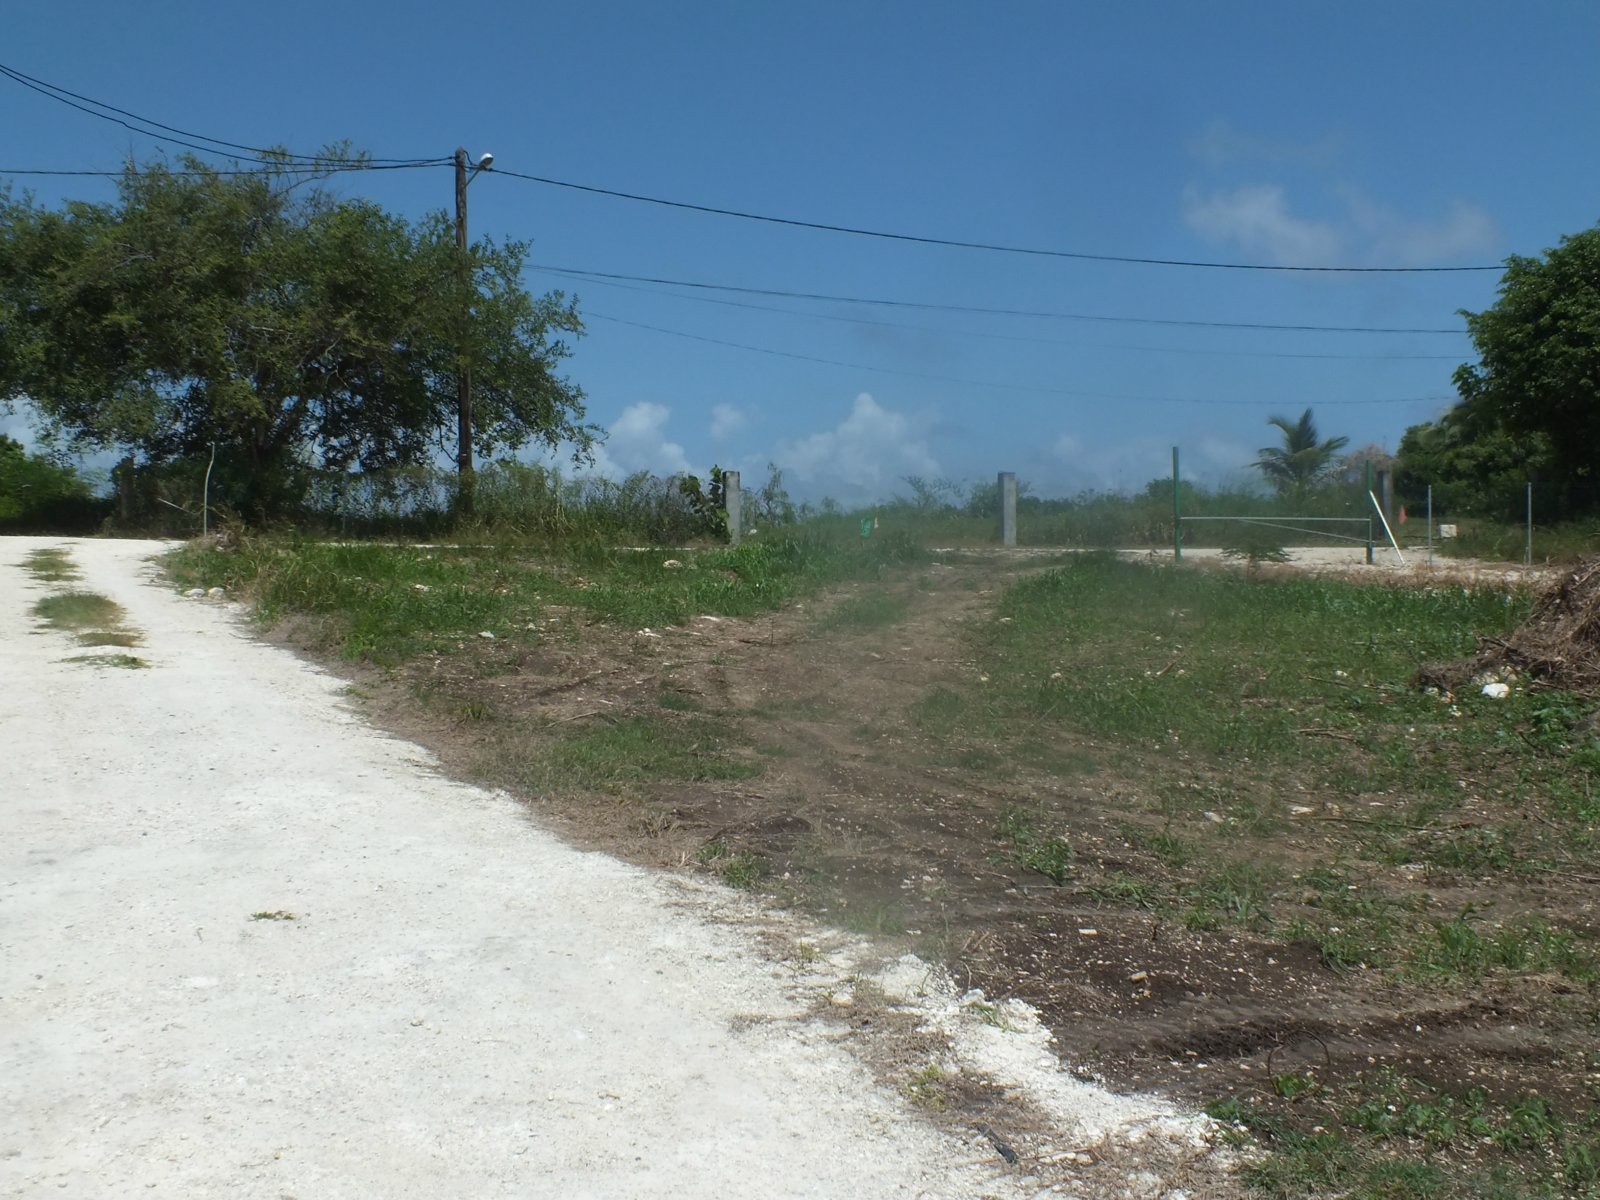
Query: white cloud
{"x": 866, "y": 452}
{"x": 1220, "y": 144}
{"x": 1389, "y": 237}
{"x": 726, "y": 420}
{"x": 637, "y": 441}
{"x": 1257, "y": 219}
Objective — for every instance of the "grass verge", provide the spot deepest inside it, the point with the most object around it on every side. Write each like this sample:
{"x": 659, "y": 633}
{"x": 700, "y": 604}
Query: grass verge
{"x": 389, "y": 604}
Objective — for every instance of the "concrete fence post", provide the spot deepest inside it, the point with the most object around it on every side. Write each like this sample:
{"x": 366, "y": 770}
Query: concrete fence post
{"x": 732, "y": 501}
{"x": 1008, "y": 508}
{"x": 1386, "y": 494}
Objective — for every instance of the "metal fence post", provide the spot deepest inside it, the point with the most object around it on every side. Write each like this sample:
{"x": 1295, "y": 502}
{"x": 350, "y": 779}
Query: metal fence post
{"x": 1527, "y": 545}
{"x": 1177, "y": 512}
{"x": 1370, "y": 559}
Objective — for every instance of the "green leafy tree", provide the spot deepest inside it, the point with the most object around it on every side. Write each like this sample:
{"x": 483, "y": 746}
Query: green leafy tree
{"x": 1303, "y": 461}
{"x": 1475, "y": 470}
{"x": 40, "y": 495}
{"x": 290, "y": 328}
{"x": 1537, "y": 377}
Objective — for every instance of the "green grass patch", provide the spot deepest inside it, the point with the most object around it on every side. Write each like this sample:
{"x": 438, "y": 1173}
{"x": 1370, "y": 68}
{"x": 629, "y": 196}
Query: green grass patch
{"x": 636, "y": 750}
{"x": 51, "y": 564}
{"x": 871, "y": 610}
{"x": 390, "y": 604}
{"x": 72, "y": 612}
{"x": 1224, "y": 664}
{"x": 1389, "y": 1136}
{"x": 126, "y": 662}
{"x": 108, "y": 637}
{"x": 1033, "y": 849}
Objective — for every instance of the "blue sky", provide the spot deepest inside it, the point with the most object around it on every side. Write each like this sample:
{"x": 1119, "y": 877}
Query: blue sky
{"x": 1358, "y": 134}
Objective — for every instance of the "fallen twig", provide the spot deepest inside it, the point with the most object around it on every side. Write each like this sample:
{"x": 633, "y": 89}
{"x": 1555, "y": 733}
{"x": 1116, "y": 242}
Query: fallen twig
{"x": 1329, "y": 733}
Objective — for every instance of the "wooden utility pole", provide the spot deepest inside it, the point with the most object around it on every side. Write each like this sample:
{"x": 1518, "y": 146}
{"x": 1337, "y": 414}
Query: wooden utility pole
{"x": 464, "y": 480}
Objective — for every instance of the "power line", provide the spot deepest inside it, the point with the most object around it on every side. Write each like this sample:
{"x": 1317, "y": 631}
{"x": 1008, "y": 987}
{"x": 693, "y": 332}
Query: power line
{"x": 985, "y": 383}
{"x": 1009, "y": 337}
{"x": 329, "y": 168}
{"x": 171, "y": 133}
{"x": 919, "y": 239}
{"x": 1000, "y": 312}
{"x": 150, "y": 127}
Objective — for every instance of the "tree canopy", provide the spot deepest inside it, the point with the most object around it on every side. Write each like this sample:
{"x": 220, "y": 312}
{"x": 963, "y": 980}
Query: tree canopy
{"x": 257, "y": 311}
{"x": 1538, "y": 368}
{"x": 39, "y": 494}
{"x": 1529, "y": 408}
{"x": 1302, "y": 461}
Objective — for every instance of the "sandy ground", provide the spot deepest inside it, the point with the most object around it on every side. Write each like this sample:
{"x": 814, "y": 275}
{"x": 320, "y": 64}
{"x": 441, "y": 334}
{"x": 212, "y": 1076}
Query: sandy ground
{"x": 460, "y": 1006}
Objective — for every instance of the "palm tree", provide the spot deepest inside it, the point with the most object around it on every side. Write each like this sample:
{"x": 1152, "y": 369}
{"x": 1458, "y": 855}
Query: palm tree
{"x": 1294, "y": 467}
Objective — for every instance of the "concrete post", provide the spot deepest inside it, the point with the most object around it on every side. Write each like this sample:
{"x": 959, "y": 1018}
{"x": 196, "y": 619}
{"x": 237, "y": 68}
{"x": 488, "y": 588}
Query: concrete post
{"x": 1008, "y": 508}
{"x": 732, "y": 501}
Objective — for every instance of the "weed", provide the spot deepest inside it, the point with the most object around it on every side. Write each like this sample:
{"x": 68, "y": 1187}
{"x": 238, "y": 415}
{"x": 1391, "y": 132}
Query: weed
{"x": 743, "y": 870}
{"x": 276, "y": 914}
{"x": 928, "y": 1089}
{"x": 126, "y": 662}
{"x": 989, "y": 1014}
{"x": 714, "y": 851}
{"x": 51, "y": 564}
{"x": 1125, "y": 889}
{"x": 75, "y": 611}
{"x": 1456, "y": 948}
{"x": 636, "y": 750}
{"x": 1050, "y": 856}
{"x": 109, "y": 637}
{"x": 1291, "y": 1086}
{"x": 1236, "y": 895}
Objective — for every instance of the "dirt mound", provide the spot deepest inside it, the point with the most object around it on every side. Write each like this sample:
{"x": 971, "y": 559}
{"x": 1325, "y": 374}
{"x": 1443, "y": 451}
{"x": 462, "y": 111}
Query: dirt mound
{"x": 1558, "y": 645}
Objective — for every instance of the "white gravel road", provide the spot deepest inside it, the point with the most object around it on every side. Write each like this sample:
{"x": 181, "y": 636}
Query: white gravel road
{"x": 462, "y": 1006}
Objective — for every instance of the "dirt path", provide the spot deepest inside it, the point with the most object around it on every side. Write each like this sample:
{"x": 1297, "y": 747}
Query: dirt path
{"x": 251, "y": 947}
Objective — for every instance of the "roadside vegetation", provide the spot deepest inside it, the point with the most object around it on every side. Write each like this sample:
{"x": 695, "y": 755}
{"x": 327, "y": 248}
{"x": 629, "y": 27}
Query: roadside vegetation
{"x": 1227, "y": 776}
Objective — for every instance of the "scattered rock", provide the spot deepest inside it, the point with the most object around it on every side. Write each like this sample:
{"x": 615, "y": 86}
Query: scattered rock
{"x": 196, "y": 593}
{"x": 1497, "y": 691}
{"x": 486, "y": 635}
{"x": 672, "y": 564}
{"x": 217, "y": 593}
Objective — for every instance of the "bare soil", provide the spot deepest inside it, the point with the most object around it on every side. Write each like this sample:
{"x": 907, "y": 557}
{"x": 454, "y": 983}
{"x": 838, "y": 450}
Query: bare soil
{"x": 861, "y": 817}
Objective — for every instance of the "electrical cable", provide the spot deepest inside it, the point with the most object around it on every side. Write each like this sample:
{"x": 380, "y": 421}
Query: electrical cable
{"x": 1013, "y": 337}
{"x": 1002, "y": 312}
{"x": 148, "y": 126}
{"x": 329, "y": 168}
{"x": 984, "y": 383}
{"x": 919, "y": 239}
{"x": 182, "y": 137}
